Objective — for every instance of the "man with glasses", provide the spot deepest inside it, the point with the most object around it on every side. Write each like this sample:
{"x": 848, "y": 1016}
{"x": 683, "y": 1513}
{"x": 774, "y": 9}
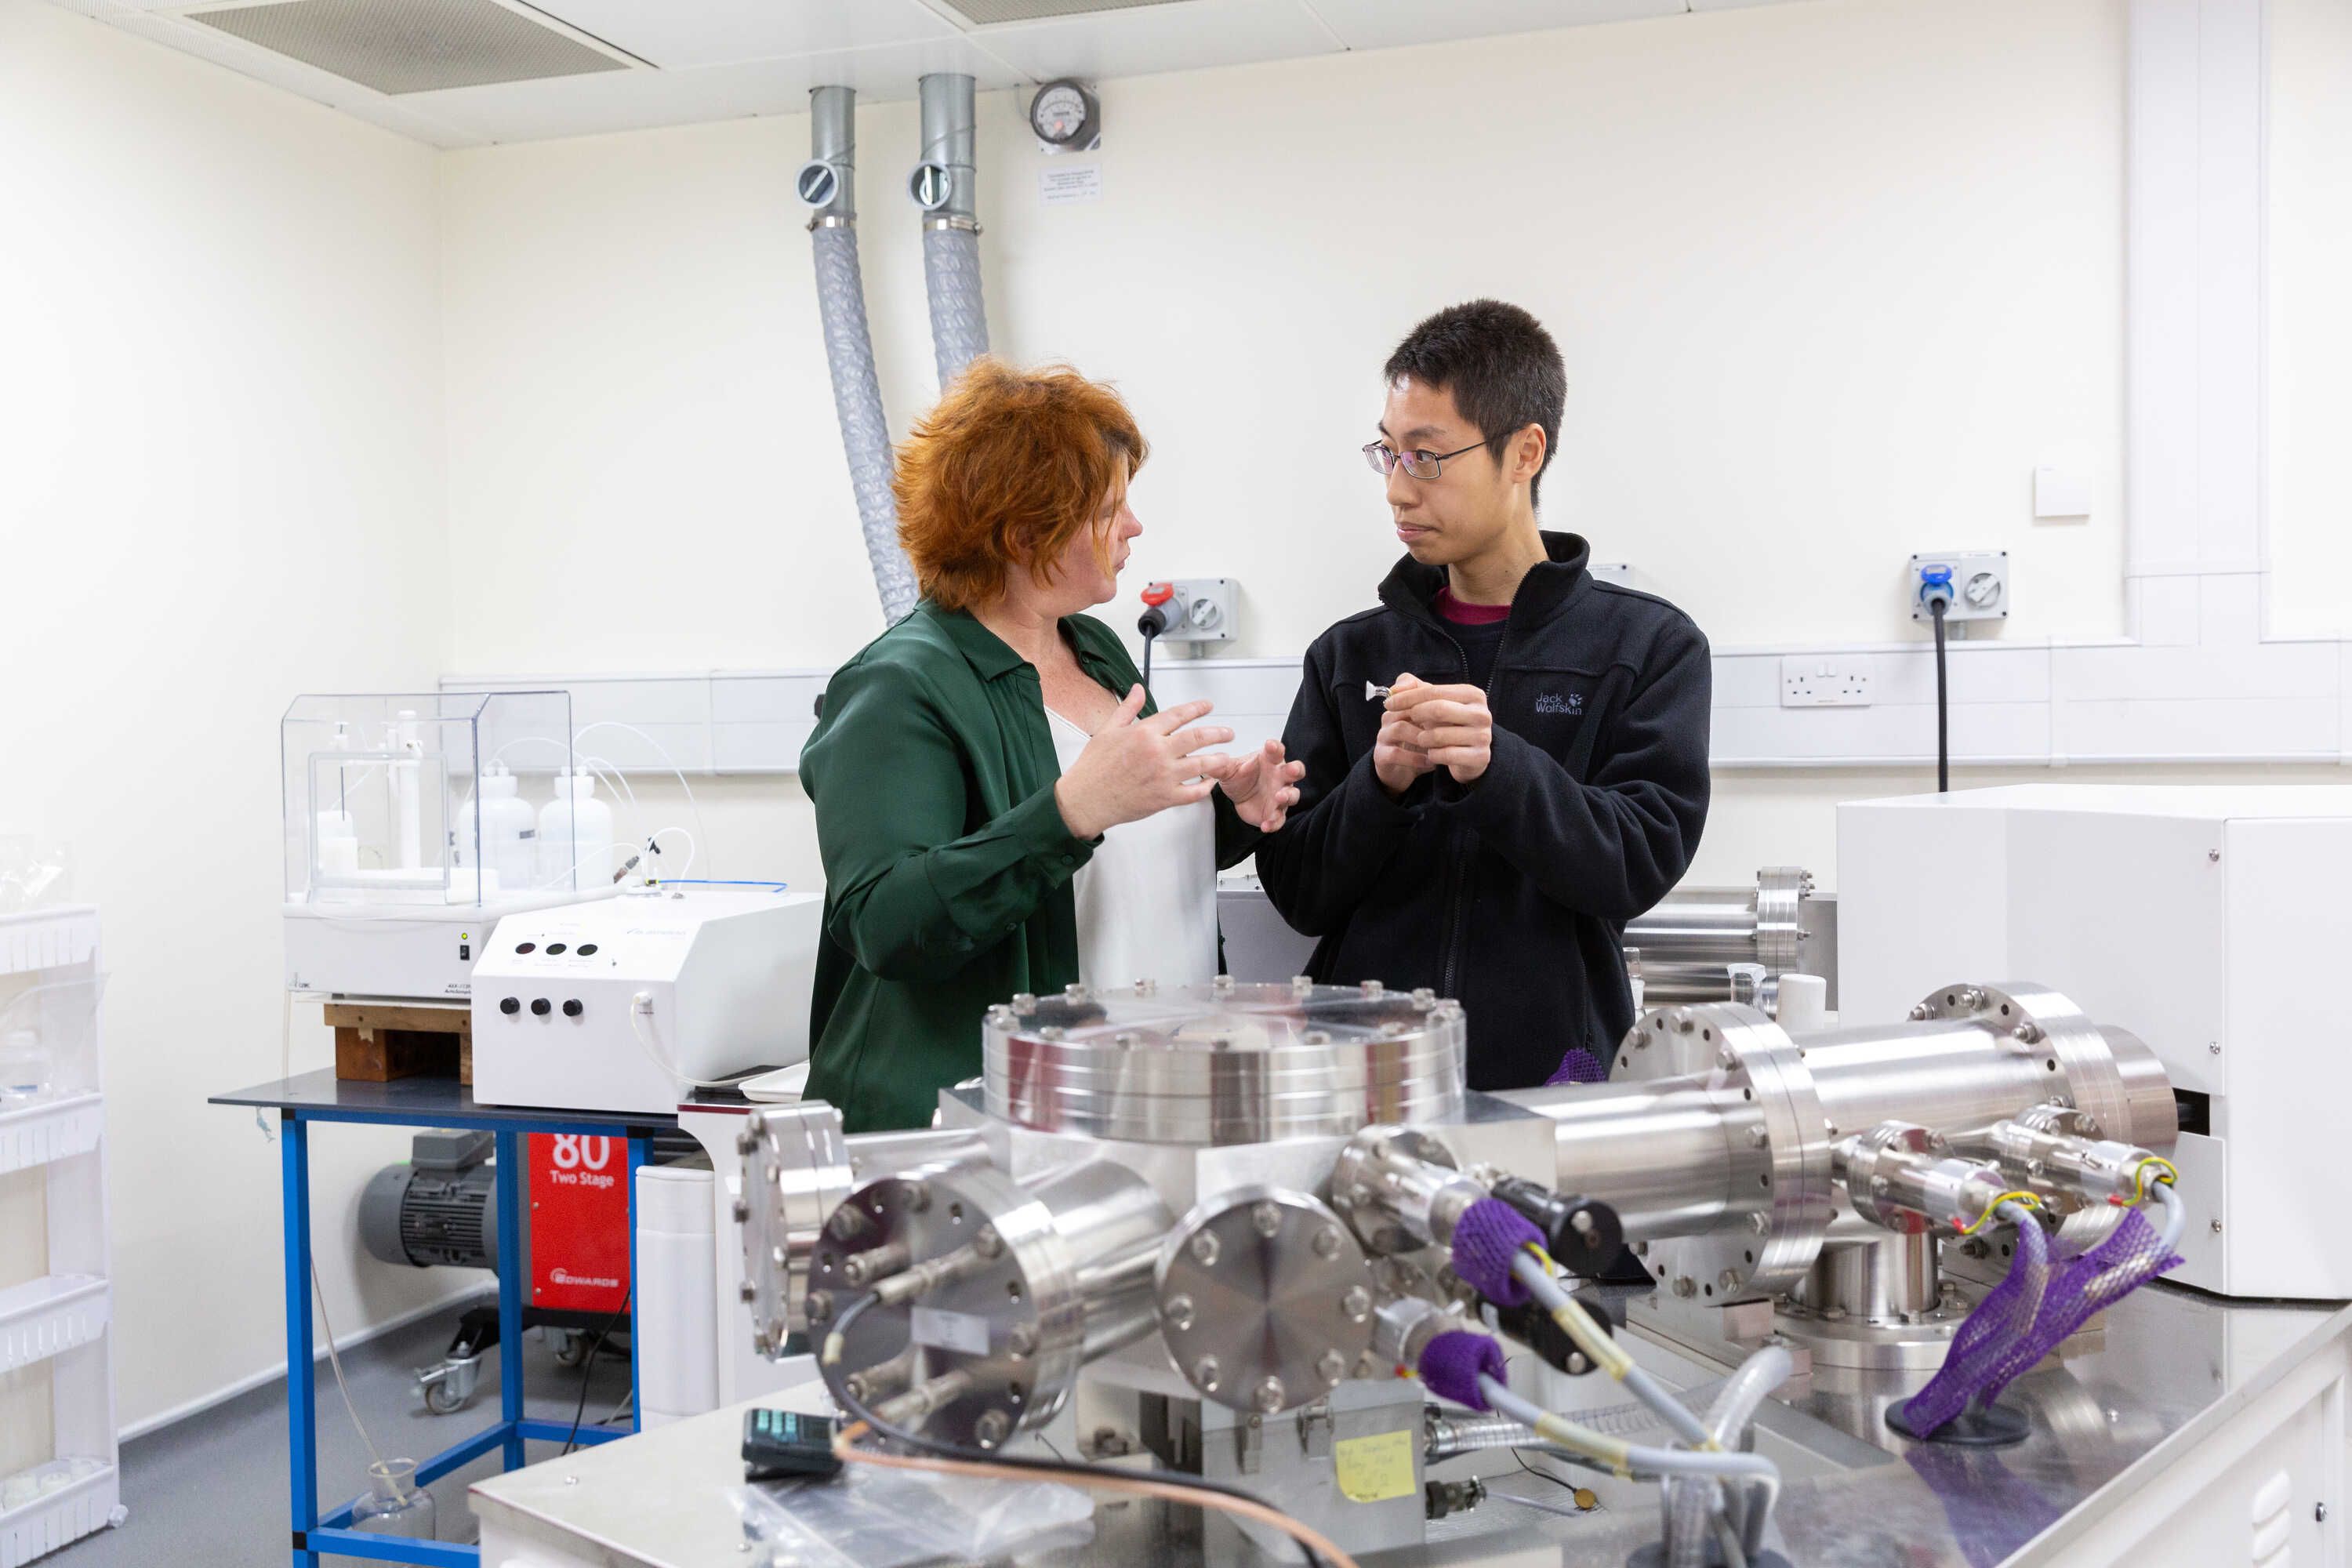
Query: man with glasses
{"x": 1506, "y": 760}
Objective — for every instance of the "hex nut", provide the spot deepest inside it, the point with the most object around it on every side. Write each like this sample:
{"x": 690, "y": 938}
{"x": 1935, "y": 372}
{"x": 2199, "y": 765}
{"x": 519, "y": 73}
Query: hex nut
{"x": 1204, "y": 1374}
{"x": 1179, "y": 1309}
{"x": 1204, "y": 1249}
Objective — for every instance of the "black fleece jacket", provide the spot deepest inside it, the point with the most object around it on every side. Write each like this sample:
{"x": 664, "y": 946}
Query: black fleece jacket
{"x": 1511, "y": 894}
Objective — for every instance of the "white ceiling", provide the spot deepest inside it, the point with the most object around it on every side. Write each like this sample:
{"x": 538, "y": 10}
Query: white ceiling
{"x": 723, "y": 59}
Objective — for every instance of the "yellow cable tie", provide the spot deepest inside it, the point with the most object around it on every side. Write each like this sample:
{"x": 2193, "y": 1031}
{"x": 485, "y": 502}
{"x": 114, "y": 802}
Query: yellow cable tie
{"x": 2027, "y": 1199}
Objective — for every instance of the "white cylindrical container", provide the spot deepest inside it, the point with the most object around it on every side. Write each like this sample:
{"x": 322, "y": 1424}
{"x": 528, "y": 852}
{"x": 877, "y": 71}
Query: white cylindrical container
{"x": 575, "y": 835}
{"x": 509, "y": 831}
{"x": 1804, "y": 1001}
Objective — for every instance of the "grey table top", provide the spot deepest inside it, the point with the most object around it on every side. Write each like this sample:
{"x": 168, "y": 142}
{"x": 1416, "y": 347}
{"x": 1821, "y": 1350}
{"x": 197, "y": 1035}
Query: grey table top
{"x": 2173, "y": 1366}
{"x": 418, "y": 1102}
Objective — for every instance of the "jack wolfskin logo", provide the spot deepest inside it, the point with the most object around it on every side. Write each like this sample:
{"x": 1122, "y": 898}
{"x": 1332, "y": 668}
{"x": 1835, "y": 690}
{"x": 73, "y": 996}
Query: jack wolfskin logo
{"x": 1558, "y": 702}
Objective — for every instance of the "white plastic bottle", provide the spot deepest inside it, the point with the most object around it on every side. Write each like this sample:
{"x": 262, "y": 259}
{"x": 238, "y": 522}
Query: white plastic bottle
{"x": 509, "y": 832}
{"x": 575, "y": 835}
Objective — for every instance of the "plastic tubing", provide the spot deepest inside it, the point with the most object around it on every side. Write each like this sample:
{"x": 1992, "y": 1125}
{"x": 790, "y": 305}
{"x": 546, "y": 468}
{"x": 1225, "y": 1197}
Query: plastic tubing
{"x": 1607, "y": 1353}
{"x": 1692, "y": 1505}
{"x": 2176, "y": 1213}
{"x": 1631, "y": 1459}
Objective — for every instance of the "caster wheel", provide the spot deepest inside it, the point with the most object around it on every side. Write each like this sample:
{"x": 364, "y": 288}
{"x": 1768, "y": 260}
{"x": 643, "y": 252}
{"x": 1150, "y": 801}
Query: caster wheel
{"x": 442, "y": 1400}
{"x": 571, "y": 1348}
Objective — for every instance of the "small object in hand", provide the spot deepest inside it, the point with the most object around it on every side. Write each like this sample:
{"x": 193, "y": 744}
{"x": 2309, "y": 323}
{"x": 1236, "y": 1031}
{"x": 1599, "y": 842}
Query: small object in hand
{"x": 1375, "y": 693}
{"x": 778, "y": 1444}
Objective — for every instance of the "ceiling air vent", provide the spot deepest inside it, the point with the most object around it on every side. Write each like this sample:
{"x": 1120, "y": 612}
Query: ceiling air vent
{"x": 984, "y": 13}
{"x": 411, "y": 46}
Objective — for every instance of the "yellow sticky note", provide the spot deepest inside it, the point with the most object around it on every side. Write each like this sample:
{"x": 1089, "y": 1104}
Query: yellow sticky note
{"x": 1375, "y": 1468}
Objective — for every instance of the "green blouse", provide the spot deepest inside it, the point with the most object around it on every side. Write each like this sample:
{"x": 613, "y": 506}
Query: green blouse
{"x": 946, "y": 863}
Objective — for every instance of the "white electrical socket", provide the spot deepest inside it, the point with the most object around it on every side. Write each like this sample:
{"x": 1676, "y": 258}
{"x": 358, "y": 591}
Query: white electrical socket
{"x": 1842, "y": 680}
{"x": 1203, "y": 610}
{"x": 1980, "y": 584}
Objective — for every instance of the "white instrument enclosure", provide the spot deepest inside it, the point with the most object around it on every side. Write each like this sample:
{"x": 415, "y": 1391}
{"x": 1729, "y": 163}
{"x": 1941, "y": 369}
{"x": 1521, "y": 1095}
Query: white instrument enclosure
{"x": 726, "y": 973}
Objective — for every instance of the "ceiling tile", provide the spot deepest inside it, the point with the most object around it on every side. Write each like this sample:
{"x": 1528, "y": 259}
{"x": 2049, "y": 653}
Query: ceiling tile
{"x": 640, "y": 99}
{"x": 1189, "y": 37}
{"x": 677, "y": 33}
{"x": 288, "y": 74}
{"x": 1391, "y": 23}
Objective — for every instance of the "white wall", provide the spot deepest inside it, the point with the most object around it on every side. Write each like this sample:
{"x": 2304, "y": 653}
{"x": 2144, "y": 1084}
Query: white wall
{"x": 223, "y": 484}
{"x": 1832, "y": 280}
{"x": 2310, "y": 316}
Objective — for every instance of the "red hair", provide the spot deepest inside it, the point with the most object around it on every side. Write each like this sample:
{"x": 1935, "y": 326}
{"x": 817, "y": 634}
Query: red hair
{"x": 1008, "y": 469}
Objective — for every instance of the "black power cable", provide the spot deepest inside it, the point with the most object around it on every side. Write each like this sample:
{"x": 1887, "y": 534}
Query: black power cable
{"x": 1936, "y": 608}
{"x": 587, "y": 1365}
{"x": 1152, "y": 622}
{"x": 962, "y": 1454}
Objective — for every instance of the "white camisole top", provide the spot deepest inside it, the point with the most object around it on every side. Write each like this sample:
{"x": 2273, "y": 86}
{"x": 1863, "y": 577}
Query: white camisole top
{"x": 1148, "y": 898}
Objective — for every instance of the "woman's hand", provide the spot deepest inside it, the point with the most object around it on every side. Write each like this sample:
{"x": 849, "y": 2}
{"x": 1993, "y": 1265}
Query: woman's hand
{"x": 1135, "y": 768}
{"x": 1398, "y": 754}
{"x": 1262, "y": 787}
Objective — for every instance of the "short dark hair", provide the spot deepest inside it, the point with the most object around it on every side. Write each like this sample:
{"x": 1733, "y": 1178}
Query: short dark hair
{"x": 1502, "y": 368}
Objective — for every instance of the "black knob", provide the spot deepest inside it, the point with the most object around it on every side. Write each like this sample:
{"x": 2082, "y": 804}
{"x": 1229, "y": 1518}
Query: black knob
{"x": 509, "y": 1006}
{"x": 572, "y": 1008}
{"x": 539, "y": 1007}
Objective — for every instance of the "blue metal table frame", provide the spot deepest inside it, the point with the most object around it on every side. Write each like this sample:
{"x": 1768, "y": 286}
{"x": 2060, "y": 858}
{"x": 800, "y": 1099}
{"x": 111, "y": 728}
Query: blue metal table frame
{"x": 422, "y": 1102}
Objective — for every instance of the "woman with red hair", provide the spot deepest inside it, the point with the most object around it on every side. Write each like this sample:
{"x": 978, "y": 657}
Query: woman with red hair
{"x": 999, "y": 806}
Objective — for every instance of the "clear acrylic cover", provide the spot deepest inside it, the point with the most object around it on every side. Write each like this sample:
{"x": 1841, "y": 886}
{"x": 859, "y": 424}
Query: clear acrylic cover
{"x": 383, "y": 802}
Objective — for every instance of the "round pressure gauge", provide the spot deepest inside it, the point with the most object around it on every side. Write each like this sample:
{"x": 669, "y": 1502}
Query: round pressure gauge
{"x": 1983, "y": 591}
{"x": 1063, "y": 114}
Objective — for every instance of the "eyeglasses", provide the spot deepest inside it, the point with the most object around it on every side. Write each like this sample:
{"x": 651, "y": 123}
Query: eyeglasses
{"x": 1385, "y": 461}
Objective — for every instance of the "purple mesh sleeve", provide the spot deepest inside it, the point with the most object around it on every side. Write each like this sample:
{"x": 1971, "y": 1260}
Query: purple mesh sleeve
{"x": 1451, "y": 1362}
{"x": 1579, "y": 1066}
{"x": 1487, "y": 1236}
{"x": 2030, "y": 1313}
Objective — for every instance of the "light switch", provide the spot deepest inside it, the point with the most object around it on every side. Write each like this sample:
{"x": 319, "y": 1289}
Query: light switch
{"x": 2061, "y": 492}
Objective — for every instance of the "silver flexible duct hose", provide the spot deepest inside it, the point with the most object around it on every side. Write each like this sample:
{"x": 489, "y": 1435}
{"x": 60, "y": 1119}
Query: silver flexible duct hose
{"x": 848, "y": 347}
{"x": 959, "y": 317}
{"x": 858, "y": 400}
{"x": 951, "y": 228}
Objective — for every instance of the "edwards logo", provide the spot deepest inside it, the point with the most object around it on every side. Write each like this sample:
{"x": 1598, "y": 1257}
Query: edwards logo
{"x": 1559, "y": 702}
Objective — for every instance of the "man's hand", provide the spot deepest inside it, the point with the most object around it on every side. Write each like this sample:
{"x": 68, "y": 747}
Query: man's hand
{"x": 1451, "y": 725}
{"x": 1398, "y": 756}
{"x": 1263, "y": 787}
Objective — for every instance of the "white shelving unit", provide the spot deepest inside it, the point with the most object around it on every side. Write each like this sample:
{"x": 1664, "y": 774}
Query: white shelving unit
{"x": 50, "y": 979}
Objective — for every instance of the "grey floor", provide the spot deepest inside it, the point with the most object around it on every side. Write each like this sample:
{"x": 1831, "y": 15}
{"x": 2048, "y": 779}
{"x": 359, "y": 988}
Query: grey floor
{"x": 211, "y": 1492}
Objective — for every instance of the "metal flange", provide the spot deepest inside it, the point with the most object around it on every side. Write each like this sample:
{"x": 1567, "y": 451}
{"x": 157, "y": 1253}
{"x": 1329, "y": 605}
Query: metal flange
{"x": 795, "y": 1173}
{"x": 1265, "y": 1298}
{"x": 1777, "y": 1169}
{"x": 2044, "y": 1024}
